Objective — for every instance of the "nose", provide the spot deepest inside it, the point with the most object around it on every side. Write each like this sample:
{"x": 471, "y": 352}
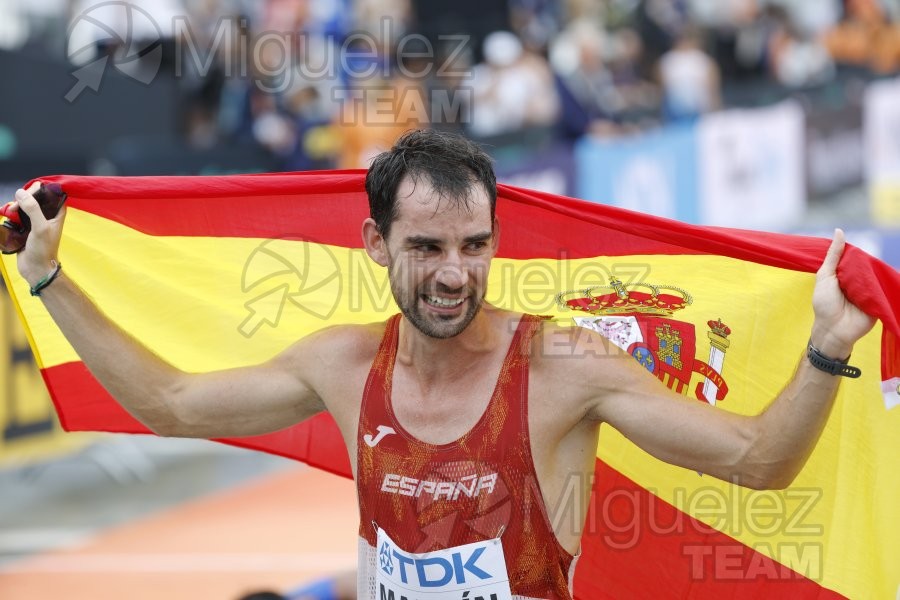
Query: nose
{"x": 452, "y": 274}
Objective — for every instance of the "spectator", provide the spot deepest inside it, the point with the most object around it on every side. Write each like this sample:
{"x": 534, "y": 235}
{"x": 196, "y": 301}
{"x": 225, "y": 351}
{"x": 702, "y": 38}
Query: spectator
{"x": 796, "y": 59}
{"x": 512, "y": 89}
{"x": 660, "y": 23}
{"x": 640, "y": 96}
{"x": 690, "y": 79}
{"x": 601, "y": 72}
{"x": 316, "y": 142}
{"x": 385, "y": 20}
{"x": 377, "y": 109}
{"x": 866, "y": 37}
{"x": 536, "y": 22}
{"x": 738, "y": 46}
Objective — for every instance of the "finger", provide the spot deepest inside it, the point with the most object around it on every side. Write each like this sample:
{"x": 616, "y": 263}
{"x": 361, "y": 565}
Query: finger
{"x": 13, "y": 207}
{"x": 28, "y": 204}
{"x": 833, "y": 256}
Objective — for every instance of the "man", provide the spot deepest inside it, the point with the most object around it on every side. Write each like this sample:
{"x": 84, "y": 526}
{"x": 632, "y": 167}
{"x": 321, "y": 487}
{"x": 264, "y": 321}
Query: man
{"x": 464, "y": 419}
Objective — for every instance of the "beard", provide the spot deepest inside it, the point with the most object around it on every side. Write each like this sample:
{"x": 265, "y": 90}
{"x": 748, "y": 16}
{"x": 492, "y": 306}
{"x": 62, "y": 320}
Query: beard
{"x": 434, "y": 325}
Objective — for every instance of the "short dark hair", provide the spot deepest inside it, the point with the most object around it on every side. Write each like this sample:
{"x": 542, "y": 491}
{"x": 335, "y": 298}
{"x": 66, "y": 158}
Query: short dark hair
{"x": 449, "y": 162}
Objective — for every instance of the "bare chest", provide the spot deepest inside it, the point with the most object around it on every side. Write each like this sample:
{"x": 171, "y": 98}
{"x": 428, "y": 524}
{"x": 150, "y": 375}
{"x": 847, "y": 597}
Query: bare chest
{"x": 444, "y": 411}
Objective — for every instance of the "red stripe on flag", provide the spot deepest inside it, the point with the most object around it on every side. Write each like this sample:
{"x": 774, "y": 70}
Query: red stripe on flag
{"x": 89, "y": 407}
{"x": 82, "y": 404}
{"x": 636, "y": 545}
{"x": 333, "y": 207}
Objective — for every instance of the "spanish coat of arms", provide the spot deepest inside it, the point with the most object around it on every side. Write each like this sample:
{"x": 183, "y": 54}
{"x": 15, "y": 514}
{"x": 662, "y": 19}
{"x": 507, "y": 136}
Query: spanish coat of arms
{"x": 638, "y": 319}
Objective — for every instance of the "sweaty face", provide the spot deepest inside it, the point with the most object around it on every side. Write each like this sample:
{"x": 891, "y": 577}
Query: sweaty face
{"x": 439, "y": 252}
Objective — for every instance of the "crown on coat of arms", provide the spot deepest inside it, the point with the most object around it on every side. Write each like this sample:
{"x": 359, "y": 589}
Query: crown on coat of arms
{"x": 719, "y": 328}
{"x": 619, "y": 298}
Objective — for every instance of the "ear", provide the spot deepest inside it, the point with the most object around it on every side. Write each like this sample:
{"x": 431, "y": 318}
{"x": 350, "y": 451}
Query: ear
{"x": 376, "y": 245}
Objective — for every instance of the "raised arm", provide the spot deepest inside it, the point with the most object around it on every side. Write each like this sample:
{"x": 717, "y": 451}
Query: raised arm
{"x": 763, "y": 451}
{"x": 232, "y": 403}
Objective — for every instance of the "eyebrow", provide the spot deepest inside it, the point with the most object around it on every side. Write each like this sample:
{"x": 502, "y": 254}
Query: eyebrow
{"x": 421, "y": 240}
{"x": 479, "y": 237}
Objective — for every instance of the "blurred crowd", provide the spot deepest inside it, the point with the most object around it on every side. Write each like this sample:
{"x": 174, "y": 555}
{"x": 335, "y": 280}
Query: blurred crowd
{"x": 329, "y": 83}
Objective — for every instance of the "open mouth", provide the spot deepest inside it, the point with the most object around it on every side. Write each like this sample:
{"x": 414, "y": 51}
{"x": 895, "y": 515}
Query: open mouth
{"x": 442, "y": 303}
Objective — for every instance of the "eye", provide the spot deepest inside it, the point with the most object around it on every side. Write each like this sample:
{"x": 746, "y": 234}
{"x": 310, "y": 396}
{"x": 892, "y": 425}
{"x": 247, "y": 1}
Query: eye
{"x": 476, "y": 246}
{"x": 426, "y": 249}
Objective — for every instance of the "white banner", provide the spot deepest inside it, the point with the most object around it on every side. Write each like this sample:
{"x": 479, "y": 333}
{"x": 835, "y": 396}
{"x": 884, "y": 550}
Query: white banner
{"x": 750, "y": 165}
{"x": 881, "y": 132}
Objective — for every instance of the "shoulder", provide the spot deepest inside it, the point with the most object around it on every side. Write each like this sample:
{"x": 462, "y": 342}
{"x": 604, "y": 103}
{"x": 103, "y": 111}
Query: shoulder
{"x": 580, "y": 367}
{"x": 343, "y": 346}
{"x": 556, "y": 341}
{"x": 334, "y": 362}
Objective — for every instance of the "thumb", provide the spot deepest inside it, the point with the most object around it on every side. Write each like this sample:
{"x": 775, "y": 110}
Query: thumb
{"x": 833, "y": 256}
{"x": 28, "y": 204}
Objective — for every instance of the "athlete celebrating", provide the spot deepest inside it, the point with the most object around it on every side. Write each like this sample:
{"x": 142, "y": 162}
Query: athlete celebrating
{"x": 465, "y": 420}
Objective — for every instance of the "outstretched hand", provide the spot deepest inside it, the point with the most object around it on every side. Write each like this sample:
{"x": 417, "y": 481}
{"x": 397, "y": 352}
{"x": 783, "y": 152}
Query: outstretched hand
{"x": 42, "y": 247}
{"x": 838, "y": 322}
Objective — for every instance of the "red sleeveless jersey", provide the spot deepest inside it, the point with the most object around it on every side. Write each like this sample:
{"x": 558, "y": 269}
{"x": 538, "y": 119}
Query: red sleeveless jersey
{"x": 432, "y": 497}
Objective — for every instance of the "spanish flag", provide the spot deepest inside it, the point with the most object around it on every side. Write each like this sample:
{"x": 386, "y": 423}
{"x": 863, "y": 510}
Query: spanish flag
{"x": 218, "y": 272}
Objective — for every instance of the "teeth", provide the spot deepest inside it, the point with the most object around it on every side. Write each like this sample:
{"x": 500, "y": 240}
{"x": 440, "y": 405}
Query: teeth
{"x": 444, "y": 302}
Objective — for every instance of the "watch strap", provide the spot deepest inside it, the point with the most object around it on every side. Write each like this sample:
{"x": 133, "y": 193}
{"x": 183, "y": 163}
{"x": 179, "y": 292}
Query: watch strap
{"x": 830, "y": 365}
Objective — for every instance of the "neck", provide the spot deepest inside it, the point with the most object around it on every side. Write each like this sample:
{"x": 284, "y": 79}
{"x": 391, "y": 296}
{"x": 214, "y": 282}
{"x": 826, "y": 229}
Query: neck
{"x": 436, "y": 359}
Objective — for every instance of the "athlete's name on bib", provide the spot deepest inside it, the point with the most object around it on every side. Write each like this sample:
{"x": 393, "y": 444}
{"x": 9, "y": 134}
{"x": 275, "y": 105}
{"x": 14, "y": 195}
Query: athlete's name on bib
{"x": 470, "y": 486}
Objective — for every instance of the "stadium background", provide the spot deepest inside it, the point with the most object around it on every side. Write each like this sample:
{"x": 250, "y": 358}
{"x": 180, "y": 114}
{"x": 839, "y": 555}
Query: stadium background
{"x": 801, "y": 133}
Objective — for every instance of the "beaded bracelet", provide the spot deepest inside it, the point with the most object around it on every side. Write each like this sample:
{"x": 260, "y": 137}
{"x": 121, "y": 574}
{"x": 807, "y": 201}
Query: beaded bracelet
{"x": 46, "y": 281}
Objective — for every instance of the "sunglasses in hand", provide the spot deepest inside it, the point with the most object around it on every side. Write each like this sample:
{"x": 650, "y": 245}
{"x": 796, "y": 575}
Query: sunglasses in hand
{"x": 15, "y": 224}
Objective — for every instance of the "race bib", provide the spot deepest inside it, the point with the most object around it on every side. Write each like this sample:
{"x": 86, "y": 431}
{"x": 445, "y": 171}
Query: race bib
{"x": 474, "y": 571}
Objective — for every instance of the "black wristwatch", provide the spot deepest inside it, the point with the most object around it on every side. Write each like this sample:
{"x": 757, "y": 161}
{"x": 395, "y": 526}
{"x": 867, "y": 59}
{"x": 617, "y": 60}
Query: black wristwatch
{"x": 830, "y": 365}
